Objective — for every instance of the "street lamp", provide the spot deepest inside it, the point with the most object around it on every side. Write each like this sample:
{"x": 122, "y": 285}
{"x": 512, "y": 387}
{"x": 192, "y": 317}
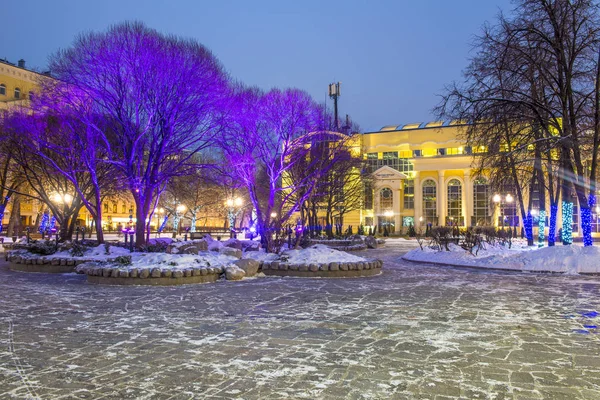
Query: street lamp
{"x": 233, "y": 208}
{"x": 498, "y": 199}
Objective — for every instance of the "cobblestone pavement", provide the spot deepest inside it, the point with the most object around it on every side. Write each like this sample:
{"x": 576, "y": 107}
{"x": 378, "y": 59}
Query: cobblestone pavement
{"x": 414, "y": 332}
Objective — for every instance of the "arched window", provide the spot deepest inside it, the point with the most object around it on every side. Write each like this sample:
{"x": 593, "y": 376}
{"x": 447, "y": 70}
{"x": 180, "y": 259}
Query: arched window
{"x": 17, "y": 93}
{"x": 106, "y": 208}
{"x": 123, "y": 209}
{"x": 2, "y": 89}
{"x": 455, "y": 203}
{"x": 481, "y": 203}
{"x": 386, "y": 199}
{"x": 115, "y": 208}
{"x": 430, "y": 202}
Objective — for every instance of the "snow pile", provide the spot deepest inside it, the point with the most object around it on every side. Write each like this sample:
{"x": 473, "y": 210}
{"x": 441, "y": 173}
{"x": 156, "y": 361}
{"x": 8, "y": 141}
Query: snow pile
{"x": 566, "y": 259}
{"x": 179, "y": 261}
{"x": 318, "y": 254}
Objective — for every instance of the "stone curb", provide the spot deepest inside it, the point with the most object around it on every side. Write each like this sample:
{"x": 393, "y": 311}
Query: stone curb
{"x": 113, "y": 275}
{"x": 43, "y": 264}
{"x": 506, "y": 269}
{"x": 323, "y": 270}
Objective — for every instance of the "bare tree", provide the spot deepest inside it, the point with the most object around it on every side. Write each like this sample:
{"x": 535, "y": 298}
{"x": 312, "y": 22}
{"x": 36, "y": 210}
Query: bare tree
{"x": 273, "y": 134}
{"x": 160, "y": 98}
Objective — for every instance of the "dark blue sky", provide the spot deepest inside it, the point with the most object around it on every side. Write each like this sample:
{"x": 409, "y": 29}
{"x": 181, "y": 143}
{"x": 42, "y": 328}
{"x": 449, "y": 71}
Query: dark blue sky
{"x": 392, "y": 57}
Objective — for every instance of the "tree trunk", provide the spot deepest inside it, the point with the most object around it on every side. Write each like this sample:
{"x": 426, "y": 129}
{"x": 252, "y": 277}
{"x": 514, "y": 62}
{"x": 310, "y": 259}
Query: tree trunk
{"x": 14, "y": 223}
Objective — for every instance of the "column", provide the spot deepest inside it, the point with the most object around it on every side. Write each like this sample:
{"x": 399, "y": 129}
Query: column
{"x": 442, "y": 194}
{"x": 418, "y": 202}
{"x": 467, "y": 197}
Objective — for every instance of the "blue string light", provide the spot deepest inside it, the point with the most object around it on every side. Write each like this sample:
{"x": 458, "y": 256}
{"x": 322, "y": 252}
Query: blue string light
{"x": 552, "y": 230}
{"x": 528, "y": 223}
{"x": 567, "y": 222}
{"x": 541, "y": 228}
{"x": 586, "y": 226}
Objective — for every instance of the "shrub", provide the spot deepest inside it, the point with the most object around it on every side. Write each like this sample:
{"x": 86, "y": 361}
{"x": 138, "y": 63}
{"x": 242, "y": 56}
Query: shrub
{"x": 158, "y": 247}
{"x": 78, "y": 249}
{"x": 44, "y": 248}
{"x": 123, "y": 260}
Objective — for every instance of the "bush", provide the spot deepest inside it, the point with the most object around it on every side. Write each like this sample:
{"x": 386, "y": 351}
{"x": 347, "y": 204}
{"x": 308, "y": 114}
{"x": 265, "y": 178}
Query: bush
{"x": 123, "y": 260}
{"x": 78, "y": 249}
{"x": 158, "y": 247}
{"x": 44, "y": 248}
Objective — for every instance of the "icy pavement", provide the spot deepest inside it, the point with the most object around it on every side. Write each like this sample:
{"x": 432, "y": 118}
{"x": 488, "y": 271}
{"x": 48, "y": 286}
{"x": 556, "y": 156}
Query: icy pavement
{"x": 413, "y": 332}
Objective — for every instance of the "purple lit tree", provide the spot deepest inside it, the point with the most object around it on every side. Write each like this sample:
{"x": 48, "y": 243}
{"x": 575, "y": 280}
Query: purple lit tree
{"x": 272, "y": 133}
{"x": 160, "y": 99}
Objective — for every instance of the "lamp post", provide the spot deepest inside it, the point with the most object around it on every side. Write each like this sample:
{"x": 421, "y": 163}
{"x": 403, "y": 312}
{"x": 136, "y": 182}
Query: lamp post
{"x": 233, "y": 208}
{"x": 498, "y": 200}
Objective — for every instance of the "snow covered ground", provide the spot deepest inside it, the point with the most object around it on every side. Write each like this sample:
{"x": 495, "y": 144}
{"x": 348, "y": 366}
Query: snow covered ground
{"x": 572, "y": 259}
{"x": 318, "y": 254}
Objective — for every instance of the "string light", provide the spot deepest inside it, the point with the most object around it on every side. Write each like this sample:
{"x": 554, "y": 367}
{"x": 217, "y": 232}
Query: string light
{"x": 552, "y": 230}
{"x": 586, "y": 226}
{"x": 541, "y": 227}
{"x": 528, "y": 223}
{"x": 567, "y": 226}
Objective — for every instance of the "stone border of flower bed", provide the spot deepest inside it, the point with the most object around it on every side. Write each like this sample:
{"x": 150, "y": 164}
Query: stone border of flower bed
{"x": 329, "y": 270}
{"x": 111, "y": 275}
{"x": 333, "y": 245}
{"x": 42, "y": 264}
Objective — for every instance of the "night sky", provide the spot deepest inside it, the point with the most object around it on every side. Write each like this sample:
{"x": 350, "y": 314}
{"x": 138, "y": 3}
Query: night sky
{"x": 393, "y": 57}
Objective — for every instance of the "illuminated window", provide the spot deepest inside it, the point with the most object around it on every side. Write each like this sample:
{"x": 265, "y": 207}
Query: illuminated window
{"x": 2, "y": 89}
{"x": 17, "y": 93}
{"x": 368, "y": 198}
{"x": 115, "y": 208}
{"x": 479, "y": 149}
{"x": 106, "y": 208}
{"x": 390, "y": 155}
{"x": 455, "y": 203}
{"x": 371, "y": 156}
{"x": 409, "y": 194}
{"x": 453, "y": 151}
{"x": 386, "y": 199}
{"x": 481, "y": 203}
{"x": 430, "y": 202}
{"x": 405, "y": 154}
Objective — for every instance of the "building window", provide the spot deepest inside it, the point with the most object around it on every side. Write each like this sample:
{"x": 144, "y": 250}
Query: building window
{"x": 31, "y": 96}
{"x": 3, "y": 89}
{"x": 416, "y": 153}
{"x": 455, "y": 203}
{"x": 441, "y": 152}
{"x": 430, "y": 202}
{"x": 106, "y": 208}
{"x": 17, "y": 93}
{"x": 123, "y": 209}
{"x": 368, "y": 198}
{"x": 453, "y": 151}
{"x": 115, "y": 208}
{"x": 386, "y": 199}
{"x": 389, "y": 159}
{"x": 481, "y": 203}
{"x": 409, "y": 194}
